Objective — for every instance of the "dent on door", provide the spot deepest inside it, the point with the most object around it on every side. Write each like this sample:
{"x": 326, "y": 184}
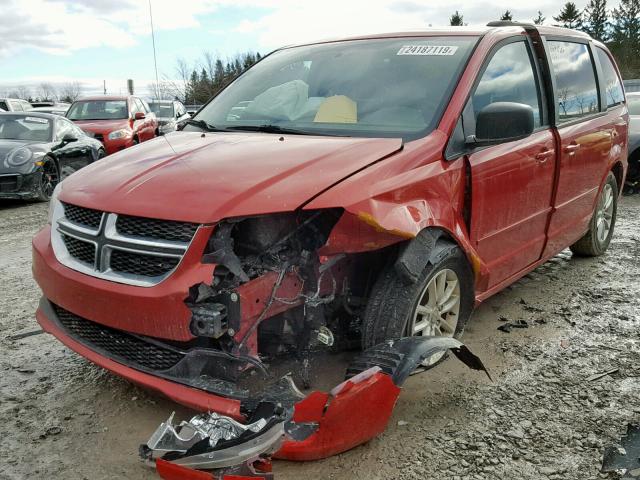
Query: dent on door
{"x": 283, "y": 423}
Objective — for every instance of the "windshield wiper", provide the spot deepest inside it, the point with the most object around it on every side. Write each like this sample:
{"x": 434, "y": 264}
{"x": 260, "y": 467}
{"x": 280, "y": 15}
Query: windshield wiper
{"x": 207, "y": 127}
{"x": 269, "y": 128}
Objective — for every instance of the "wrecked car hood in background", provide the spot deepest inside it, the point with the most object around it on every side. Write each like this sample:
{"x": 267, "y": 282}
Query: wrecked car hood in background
{"x": 226, "y": 174}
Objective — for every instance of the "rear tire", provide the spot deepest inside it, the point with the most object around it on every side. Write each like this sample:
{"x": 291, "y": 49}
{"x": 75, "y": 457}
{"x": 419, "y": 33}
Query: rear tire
{"x": 398, "y": 308}
{"x": 596, "y": 241}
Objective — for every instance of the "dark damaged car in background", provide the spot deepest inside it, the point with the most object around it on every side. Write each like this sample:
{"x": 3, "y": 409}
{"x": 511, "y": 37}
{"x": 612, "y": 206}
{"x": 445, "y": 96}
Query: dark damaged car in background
{"x": 39, "y": 149}
{"x": 341, "y": 206}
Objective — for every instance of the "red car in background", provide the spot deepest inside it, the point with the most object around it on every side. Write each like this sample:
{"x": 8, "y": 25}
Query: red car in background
{"x": 117, "y": 121}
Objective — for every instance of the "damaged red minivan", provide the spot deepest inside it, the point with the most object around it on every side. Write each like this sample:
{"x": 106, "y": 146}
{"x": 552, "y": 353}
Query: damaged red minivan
{"x": 334, "y": 198}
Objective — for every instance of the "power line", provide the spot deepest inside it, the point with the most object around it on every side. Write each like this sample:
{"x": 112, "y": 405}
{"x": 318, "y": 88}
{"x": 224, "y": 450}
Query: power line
{"x": 155, "y": 62}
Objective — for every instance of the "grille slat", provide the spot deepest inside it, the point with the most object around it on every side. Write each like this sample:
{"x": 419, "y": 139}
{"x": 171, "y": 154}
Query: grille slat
{"x": 118, "y": 344}
{"x": 140, "y": 264}
{"x": 82, "y": 216}
{"x": 156, "y": 229}
{"x": 80, "y": 250}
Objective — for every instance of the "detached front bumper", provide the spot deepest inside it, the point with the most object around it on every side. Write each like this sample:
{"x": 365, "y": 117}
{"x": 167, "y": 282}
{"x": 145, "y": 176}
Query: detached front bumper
{"x": 20, "y": 186}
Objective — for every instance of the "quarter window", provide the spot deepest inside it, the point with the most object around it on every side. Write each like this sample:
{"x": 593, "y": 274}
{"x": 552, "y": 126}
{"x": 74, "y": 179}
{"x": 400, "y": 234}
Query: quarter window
{"x": 509, "y": 77}
{"x": 612, "y": 85}
{"x": 576, "y": 89}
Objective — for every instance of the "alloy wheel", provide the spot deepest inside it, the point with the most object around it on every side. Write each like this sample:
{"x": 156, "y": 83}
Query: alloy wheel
{"x": 437, "y": 312}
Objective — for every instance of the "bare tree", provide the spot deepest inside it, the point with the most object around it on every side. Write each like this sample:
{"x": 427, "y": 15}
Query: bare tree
{"x": 179, "y": 86}
{"x": 46, "y": 91}
{"x": 70, "y": 92}
{"x": 161, "y": 91}
{"x": 23, "y": 92}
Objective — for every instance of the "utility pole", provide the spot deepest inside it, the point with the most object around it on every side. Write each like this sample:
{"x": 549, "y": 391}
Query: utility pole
{"x": 104, "y": 86}
{"x": 155, "y": 62}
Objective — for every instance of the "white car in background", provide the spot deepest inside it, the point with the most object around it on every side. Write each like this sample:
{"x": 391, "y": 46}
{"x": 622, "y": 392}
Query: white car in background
{"x": 15, "y": 105}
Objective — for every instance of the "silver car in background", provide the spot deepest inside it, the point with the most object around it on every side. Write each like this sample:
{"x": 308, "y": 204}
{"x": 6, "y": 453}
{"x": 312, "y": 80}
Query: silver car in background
{"x": 169, "y": 113}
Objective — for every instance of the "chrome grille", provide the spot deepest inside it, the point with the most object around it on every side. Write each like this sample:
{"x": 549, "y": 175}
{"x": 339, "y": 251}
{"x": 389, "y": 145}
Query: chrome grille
{"x": 138, "y": 251}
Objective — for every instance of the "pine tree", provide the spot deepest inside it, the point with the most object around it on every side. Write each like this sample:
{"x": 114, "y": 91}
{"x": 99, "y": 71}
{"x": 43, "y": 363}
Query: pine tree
{"x": 456, "y": 20}
{"x": 539, "y": 20}
{"x": 625, "y": 37}
{"x": 570, "y": 16}
{"x": 595, "y": 20}
{"x": 507, "y": 16}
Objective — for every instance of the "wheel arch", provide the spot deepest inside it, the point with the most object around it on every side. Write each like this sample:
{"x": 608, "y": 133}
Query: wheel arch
{"x": 618, "y": 172}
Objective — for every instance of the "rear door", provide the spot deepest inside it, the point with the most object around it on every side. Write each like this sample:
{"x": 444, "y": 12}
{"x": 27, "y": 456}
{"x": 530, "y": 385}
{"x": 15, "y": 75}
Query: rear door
{"x": 511, "y": 183}
{"x": 585, "y": 139}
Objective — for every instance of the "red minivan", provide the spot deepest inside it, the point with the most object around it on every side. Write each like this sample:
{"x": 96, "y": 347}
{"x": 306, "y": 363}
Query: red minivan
{"x": 117, "y": 121}
{"x": 336, "y": 197}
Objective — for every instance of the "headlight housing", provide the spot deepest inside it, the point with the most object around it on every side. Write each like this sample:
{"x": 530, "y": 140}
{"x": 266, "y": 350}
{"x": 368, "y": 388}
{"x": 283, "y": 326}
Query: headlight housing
{"x": 122, "y": 133}
{"x": 18, "y": 157}
{"x": 55, "y": 206}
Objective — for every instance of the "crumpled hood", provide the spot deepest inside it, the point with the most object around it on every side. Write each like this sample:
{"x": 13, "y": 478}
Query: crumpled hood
{"x": 102, "y": 126}
{"x": 203, "y": 178}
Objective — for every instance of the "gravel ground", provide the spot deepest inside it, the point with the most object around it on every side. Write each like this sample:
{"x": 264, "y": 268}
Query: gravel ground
{"x": 541, "y": 417}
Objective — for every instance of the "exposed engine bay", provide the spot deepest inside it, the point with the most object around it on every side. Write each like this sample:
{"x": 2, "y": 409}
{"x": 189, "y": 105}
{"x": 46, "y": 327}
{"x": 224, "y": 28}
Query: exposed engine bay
{"x": 275, "y": 297}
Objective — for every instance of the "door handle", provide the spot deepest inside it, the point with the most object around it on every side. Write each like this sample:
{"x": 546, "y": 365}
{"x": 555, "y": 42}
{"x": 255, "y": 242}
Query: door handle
{"x": 571, "y": 148}
{"x": 544, "y": 155}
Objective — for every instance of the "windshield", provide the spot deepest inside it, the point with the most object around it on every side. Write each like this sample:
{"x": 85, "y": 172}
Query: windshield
{"x": 634, "y": 105}
{"x": 98, "y": 110}
{"x": 22, "y": 127}
{"x": 164, "y": 110}
{"x": 367, "y": 88}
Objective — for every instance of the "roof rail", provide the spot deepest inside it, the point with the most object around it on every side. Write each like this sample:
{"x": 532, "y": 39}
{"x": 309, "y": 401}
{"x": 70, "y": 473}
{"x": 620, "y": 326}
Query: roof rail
{"x": 509, "y": 23}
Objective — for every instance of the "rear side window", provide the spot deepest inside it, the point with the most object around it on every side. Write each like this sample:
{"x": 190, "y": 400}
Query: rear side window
{"x": 576, "y": 89}
{"x": 4, "y": 106}
{"x": 613, "y": 87}
{"x": 509, "y": 77}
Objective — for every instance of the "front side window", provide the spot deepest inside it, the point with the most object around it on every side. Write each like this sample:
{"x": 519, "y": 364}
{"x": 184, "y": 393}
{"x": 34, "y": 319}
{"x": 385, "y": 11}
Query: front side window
{"x": 24, "y": 127}
{"x": 612, "y": 85}
{"x": 509, "y": 77}
{"x": 17, "y": 107}
{"x": 98, "y": 110}
{"x": 576, "y": 89}
{"x": 162, "y": 109}
{"x": 64, "y": 128}
{"x": 365, "y": 88}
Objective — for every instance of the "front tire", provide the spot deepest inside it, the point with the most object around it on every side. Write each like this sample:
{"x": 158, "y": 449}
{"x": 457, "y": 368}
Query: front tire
{"x": 595, "y": 242}
{"x": 49, "y": 178}
{"x": 439, "y": 303}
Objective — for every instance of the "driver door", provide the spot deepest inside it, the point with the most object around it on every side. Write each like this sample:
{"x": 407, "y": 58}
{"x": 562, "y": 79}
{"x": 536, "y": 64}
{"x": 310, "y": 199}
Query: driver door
{"x": 511, "y": 183}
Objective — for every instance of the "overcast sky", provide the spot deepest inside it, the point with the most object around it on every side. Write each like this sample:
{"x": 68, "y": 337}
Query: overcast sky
{"x": 92, "y": 40}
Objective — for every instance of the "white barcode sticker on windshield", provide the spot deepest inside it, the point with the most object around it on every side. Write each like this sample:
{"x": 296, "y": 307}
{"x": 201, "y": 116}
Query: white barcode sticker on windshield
{"x": 36, "y": 120}
{"x": 427, "y": 50}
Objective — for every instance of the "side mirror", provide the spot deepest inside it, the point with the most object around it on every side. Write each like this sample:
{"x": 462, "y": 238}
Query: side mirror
{"x": 502, "y": 122}
{"x": 69, "y": 137}
{"x": 139, "y": 116}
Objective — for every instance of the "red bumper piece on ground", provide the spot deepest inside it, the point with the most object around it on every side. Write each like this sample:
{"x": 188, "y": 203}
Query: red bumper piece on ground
{"x": 172, "y": 471}
{"x": 350, "y": 415}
